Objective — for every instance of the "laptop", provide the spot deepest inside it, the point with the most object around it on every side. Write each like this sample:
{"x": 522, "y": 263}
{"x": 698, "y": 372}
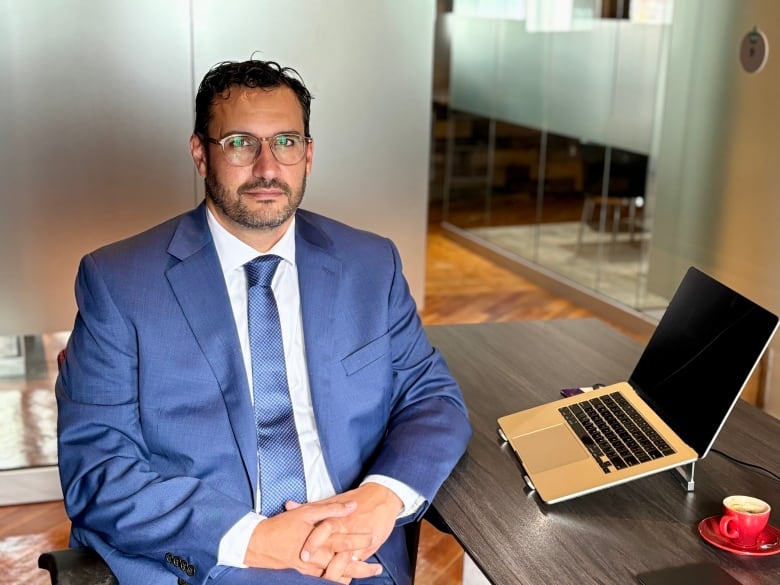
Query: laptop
{"x": 667, "y": 414}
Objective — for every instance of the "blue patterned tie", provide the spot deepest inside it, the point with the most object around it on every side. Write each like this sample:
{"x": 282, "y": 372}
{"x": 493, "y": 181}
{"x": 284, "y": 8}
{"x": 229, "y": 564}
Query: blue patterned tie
{"x": 278, "y": 450}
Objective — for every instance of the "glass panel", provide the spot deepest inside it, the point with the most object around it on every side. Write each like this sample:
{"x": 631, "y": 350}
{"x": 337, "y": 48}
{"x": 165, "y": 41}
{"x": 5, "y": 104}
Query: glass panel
{"x": 550, "y": 134}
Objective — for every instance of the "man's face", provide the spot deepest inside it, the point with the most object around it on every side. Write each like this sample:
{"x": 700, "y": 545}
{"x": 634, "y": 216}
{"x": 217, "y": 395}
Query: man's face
{"x": 262, "y": 196}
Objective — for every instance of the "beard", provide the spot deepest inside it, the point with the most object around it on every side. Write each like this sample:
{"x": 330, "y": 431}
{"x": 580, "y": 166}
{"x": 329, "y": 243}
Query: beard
{"x": 268, "y": 216}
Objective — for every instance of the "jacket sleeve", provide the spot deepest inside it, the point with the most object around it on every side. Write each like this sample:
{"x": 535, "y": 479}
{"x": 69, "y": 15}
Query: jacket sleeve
{"x": 112, "y": 493}
{"x": 428, "y": 427}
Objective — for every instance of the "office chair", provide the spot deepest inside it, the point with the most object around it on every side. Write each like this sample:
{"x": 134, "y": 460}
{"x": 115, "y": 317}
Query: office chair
{"x": 76, "y": 566}
{"x": 625, "y": 186}
{"x": 83, "y": 566}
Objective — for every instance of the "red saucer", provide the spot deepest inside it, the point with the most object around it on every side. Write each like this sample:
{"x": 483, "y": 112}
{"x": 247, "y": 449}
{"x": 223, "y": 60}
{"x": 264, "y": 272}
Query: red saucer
{"x": 768, "y": 540}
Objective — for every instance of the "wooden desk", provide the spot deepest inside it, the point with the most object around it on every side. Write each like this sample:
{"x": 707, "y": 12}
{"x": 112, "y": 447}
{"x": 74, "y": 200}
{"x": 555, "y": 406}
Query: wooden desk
{"x": 606, "y": 537}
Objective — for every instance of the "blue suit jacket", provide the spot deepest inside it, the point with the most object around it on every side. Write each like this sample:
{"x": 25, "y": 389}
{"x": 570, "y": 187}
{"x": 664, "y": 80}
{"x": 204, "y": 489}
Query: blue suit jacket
{"x": 156, "y": 433}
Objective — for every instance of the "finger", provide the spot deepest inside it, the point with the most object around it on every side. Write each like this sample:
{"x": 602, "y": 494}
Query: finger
{"x": 332, "y": 537}
{"x": 351, "y": 543}
{"x": 316, "y": 513}
{"x": 370, "y": 550}
{"x": 356, "y": 545}
{"x": 316, "y": 540}
{"x": 337, "y": 567}
{"x": 320, "y": 559}
{"x": 345, "y": 566}
{"x": 292, "y": 505}
{"x": 310, "y": 569}
{"x": 357, "y": 569}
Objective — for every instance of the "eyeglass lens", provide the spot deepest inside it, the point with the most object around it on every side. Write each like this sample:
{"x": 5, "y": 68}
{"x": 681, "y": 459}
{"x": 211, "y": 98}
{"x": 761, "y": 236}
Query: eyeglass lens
{"x": 242, "y": 150}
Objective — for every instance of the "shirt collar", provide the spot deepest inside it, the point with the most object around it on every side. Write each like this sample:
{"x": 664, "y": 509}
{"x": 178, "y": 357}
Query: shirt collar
{"x": 233, "y": 253}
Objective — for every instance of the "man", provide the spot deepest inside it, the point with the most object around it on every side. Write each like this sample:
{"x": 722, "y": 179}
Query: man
{"x": 173, "y": 465}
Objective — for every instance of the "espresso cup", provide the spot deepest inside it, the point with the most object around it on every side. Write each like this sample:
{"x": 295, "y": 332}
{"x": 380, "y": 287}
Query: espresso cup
{"x": 744, "y": 518}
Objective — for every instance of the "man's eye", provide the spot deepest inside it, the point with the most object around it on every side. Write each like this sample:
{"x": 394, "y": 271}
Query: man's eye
{"x": 286, "y": 140}
{"x": 239, "y": 142}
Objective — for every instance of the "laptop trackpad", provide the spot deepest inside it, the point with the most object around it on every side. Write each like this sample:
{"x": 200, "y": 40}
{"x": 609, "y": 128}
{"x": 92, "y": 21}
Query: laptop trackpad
{"x": 549, "y": 448}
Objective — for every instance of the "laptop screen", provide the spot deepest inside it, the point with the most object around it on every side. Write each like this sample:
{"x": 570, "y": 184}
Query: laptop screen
{"x": 700, "y": 357}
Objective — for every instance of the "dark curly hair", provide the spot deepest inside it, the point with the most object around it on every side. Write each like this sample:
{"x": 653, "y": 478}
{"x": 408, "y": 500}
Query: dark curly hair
{"x": 253, "y": 73}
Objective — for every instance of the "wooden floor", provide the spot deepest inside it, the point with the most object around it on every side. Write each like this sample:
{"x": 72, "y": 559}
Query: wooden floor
{"x": 462, "y": 287}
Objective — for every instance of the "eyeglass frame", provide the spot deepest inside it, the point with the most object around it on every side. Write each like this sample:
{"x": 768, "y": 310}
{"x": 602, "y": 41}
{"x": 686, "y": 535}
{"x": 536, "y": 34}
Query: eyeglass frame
{"x": 221, "y": 142}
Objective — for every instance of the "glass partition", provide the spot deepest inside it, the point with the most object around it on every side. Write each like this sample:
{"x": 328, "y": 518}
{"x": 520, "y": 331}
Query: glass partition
{"x": 549, "y": 129}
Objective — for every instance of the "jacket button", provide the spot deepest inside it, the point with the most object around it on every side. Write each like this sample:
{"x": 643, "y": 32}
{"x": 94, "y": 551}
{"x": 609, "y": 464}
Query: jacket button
{"x": 169, "y": 558}
{"x": 177, "y": 562}
{"x": 190, "y": 570}
{"x": 181, "y": 581}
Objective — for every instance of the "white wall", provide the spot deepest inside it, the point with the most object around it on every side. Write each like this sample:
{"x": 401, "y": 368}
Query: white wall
{"x": 95, "y": 112}
{"x": 96, "y": 108}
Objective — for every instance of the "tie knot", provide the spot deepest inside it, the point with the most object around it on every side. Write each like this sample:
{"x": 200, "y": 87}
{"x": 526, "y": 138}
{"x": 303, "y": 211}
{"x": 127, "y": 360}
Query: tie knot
{"x": 261, "y": 270}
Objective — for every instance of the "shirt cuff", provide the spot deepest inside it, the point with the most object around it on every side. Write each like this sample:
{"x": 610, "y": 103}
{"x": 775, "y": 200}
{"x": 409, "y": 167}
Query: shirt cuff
{"x": 233, "y": 545}
{"x": 410, "y": 498}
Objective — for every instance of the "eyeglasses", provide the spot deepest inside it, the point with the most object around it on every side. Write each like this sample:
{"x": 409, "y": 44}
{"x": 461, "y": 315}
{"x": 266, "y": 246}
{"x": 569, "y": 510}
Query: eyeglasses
{"x": 242, "y": 150}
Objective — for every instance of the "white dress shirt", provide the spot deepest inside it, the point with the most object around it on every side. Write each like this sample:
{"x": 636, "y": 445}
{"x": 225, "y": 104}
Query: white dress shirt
{"x": 233, "y": 254}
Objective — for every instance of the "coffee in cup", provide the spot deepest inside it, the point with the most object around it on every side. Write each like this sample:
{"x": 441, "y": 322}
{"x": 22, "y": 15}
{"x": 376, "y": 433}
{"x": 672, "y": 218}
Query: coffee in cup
{"x": 743, "y": 520}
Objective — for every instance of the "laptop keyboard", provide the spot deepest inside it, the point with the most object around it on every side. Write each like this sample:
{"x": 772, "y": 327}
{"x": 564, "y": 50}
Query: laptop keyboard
{"x": 614, "y": 432}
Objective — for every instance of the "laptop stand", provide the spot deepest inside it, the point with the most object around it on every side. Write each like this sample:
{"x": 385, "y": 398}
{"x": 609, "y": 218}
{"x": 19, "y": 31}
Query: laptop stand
{"x": 684, "y": 474}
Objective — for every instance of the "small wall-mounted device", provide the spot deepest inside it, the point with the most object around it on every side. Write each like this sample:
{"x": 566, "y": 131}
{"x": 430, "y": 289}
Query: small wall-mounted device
{"x": 753, "y": 51}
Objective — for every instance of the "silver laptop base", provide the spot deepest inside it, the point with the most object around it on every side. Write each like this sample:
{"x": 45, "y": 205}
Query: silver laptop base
{"x": 684, "y": 474}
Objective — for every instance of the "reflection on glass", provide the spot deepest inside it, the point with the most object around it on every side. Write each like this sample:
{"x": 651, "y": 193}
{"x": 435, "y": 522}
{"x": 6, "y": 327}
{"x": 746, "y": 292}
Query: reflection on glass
{"x": 546, "y": 148}
{"x": 28, "y": 407}
{"x": 12, "y": 455}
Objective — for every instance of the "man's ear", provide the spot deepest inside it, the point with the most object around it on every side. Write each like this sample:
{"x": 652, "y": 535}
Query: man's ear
{"x": 309, "y": 157}
{"x": 199, "y": 156}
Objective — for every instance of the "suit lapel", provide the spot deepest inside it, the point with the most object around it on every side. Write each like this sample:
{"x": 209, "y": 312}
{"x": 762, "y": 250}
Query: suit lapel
{"x": 210, "y": 317}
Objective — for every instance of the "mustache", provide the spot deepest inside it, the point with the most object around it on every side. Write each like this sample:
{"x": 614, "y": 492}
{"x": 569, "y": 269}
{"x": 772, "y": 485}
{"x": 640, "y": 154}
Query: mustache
{"x": 263, "y": 183}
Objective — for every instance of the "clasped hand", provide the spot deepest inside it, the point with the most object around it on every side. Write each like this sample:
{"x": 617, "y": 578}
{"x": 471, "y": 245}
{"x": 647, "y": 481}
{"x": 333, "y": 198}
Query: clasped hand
{"x": 330, "y": 538}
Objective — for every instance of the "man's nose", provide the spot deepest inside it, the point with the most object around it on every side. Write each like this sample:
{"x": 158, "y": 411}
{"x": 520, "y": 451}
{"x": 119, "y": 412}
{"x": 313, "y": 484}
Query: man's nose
{"x": 265, "y": 164}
